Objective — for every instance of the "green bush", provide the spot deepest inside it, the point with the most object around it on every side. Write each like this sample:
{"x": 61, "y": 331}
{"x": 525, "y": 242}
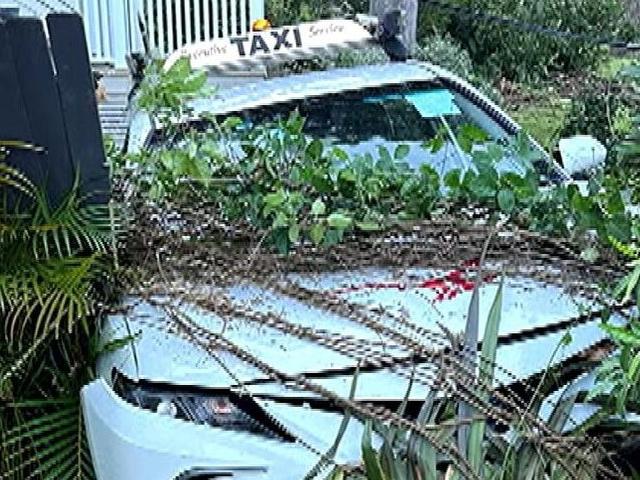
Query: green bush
{"x": 514, "y": 54}
{"x": 288, "y": 12}
{"x": 599, "y": 109}
{"x": 367, "y": 56}
{"x": 446, "y": 52}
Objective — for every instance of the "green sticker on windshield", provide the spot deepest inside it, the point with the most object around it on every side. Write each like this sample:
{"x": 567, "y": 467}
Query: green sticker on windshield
{"x": 433, "y": 103}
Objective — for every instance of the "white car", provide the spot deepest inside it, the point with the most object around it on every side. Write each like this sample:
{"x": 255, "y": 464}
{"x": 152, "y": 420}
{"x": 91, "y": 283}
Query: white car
{"x": 166, "y": 407}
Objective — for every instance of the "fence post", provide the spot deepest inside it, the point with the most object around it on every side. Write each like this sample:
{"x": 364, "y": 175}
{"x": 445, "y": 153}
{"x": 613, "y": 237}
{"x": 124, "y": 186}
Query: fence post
{"x": 256, "y": 11}
{"x": 410, "y": 16}
{"x": 118, "y": 33}
{"x": 78, "y": 102}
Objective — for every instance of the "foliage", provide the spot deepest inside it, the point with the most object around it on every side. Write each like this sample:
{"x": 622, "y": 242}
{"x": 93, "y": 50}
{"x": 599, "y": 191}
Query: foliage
{"x": 52, "y": 263}
{"x": 292, "y": 187}
{"x": 544, "y": 119}
{"x": 515, "y": 54}
{"x": 164, "y": 94}
{"x": 618, "y": 378}
{"x": 277, "y": 179}
{"x": 404, "y": 456}
{"x": 290, "y": 12}
{"x": 628, "y": 150}
{"x": 601, "y": 110}
{"x": 365, "y": 56}
{"x": 48, "y": 441}
{"x": 446, "y": 52}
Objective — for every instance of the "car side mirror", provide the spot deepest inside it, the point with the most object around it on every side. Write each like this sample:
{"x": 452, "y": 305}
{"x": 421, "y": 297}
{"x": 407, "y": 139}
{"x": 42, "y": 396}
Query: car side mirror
{"x": 582, "y": 154}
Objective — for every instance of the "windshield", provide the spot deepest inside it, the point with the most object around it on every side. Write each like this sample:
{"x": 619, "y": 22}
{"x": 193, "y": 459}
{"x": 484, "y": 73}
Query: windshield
{"x": 439, "y": 127}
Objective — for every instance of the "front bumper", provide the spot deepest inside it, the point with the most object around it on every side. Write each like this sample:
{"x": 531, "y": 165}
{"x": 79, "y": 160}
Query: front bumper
{"x": 128, "y": 443}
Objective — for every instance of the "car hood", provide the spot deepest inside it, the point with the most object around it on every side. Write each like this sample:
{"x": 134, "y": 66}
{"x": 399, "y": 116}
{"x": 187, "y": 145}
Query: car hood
{"x": 539, "y": 321}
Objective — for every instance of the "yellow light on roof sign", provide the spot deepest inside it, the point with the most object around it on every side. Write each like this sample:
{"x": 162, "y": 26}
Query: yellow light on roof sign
{"x": 291, "y": 42}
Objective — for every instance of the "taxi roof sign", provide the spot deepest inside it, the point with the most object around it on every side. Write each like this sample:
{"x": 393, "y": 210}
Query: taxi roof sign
{"x": 278, "y": 44}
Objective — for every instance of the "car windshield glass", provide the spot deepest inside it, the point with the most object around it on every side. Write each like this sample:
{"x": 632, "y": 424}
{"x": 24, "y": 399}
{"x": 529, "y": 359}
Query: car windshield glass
{"x": 439, "y": 126}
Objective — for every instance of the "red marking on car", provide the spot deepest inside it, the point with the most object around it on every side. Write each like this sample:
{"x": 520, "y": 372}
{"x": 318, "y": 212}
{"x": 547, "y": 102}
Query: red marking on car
{"x": 446, "y": 287}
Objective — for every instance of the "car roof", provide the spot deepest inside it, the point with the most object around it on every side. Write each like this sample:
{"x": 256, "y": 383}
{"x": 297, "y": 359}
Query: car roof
{"x": 294, "y": 87}
{"x": 242, "y": 92}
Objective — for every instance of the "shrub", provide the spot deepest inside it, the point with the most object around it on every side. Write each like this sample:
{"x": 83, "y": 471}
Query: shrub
{"x": 514, "y": 54}
{"x": 346, "y": 58}
{"x": 288, "y": 12}
{"x": 599, "y": 109}
{"x": 446, "y": 52}
{"x": 367, "y": 56}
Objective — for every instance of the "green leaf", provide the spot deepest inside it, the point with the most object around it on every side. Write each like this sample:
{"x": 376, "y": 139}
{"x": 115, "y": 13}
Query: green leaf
{"x": 317, "y": 233}
{"x": 119, "y": 343}
{"x": 490, "y": 339}
{"x": 619, "y": 227}
{"x": 181, "y": 68}
{"x": 634, "y": 369}
{"x": 632, "y": 283}
{"x": 475, "y": 450}
{"x": 621, "y": 335}
{"x": 339, "y": 220}
{"x": 369, "y": 226}
{"x": 315, "y": 149}
{"x": 372, "y": 465}
{"x": 435, "y": 144}
{"x": 294, "y": 232}
{"x": 331, "y": 453}
{"x": 402, "y": 152}
{"x": 280, "y": 238}
{"x": 469, "y": 135}
{"x": 333, "y": 236}
{"x": 483, "y": 186}
{"x": 347, "y": 175}
{"x": 231, "y": 123}
{"x": 275, "y": 199}
{"x": 318, "y": 207}
{"x": 337, "y": 474}
{"x": 195, "y": 82}
{"x": 506, "y": 201}
{"x": 452, "y": 179}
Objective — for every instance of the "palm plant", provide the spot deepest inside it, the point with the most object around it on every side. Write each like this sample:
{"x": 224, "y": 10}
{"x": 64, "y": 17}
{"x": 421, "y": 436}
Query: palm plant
{"x": 53, "y": 260}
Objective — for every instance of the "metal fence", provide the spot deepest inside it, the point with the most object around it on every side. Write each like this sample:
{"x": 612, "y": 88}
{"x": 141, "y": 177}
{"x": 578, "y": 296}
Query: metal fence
{"x": 113, "y": 31}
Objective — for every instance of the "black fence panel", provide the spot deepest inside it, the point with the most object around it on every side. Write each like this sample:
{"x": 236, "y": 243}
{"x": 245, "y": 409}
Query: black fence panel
{"x": 39, "y": 89}
{"x": 52, "y": 105}
{"x": 13, "y": 117}
{"x": 77, "y": 93}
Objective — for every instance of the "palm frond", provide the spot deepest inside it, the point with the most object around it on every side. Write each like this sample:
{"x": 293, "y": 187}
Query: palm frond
{"x": 10, "y": 176}
{"x": 48, "y": 441}
{"x": 47, "y": 296}
{"x": 51, "y": 260}
{"x": 68, "y": 229}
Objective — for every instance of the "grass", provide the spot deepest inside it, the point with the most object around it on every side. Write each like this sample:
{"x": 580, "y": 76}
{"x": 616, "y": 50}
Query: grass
{"x": 612, "y": 65}
{"x": 543, "y": 119}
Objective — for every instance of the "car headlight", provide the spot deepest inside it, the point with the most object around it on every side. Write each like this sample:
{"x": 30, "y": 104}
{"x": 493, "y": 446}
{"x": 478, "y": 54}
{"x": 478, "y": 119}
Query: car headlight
{"x": 216, "y": 408}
